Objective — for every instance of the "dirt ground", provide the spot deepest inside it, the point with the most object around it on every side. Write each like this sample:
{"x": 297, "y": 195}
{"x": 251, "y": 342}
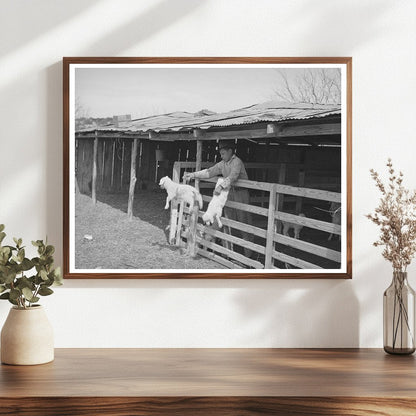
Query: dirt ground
{"x": 106, "y": 239}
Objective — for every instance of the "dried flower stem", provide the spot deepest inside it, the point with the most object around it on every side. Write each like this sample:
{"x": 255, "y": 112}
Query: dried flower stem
{"x": 396, "y": 217}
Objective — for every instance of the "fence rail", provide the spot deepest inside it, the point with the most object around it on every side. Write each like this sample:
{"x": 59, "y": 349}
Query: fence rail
{"x": 267, "y": 240}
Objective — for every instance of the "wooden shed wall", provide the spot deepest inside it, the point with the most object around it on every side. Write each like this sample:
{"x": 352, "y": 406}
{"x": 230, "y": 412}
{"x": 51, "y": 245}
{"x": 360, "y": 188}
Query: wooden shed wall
{"x": 322, "y": 165}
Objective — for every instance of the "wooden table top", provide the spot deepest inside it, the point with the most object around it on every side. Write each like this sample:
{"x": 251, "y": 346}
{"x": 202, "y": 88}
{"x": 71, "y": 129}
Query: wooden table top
{"x": 214, "y": 372}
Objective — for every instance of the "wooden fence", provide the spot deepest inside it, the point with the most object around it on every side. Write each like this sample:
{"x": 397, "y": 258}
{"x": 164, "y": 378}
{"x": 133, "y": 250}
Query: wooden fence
{"x": 184, "y": 228}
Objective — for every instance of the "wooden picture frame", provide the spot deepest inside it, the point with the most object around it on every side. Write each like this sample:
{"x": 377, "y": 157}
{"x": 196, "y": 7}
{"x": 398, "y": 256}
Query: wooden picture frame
{"x": 129, "y": 121}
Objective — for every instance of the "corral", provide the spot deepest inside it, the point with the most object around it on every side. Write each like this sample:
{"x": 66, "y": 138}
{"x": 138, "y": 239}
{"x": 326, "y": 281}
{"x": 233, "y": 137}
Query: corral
{"x": 292, "y": 153}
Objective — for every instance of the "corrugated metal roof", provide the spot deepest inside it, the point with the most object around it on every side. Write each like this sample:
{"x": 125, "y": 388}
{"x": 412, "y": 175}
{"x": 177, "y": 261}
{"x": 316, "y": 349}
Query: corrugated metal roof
{"x": 271, "y": 111}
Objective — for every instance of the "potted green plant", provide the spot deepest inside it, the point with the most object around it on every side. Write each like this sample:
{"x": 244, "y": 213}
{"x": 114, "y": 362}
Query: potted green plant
{"x": 27, "y": 336}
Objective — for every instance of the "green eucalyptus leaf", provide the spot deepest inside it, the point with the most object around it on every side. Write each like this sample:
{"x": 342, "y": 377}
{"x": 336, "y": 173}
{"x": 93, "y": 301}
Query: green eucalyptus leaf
{"x": 26, "y": 264}
{"x": 58, "y": 280}
{"x": 49, "y": 250}
{"x": 21, "y": 255}
{"x": 48, "y": 282}
{"x": 15, "y": 294}
{"x": 2, "y": 288}
{"x": 14, "y": 302}
{"x": 45, "y": 291}
{"x": 5, "y": 295}
{"x": 55, "y": 273}
{"x": 38, "y": 280}
{"x": 24, "y": 282}
{"x": 5, "y": 250}
{"x": 27, "y": 293}
{"x": 9, "y": 277}
{"x": 43, "y": 275}
{"x": 2, "y": 226}
{"x": 2, "y": 236}
{"x": 12, "y": 248}
{"x": 48, "y": 260}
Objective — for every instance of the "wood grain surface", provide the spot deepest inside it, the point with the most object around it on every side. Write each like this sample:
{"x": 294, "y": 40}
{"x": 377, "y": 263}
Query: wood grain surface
{"x": 212, "y": 381}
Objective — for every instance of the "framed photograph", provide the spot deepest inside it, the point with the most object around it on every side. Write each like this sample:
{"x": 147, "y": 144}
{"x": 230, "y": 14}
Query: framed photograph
{"x": 207, "y": 168}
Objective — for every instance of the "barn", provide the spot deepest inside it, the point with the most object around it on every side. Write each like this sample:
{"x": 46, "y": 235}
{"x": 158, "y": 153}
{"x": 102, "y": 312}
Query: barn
{"x": 292, "y": 153}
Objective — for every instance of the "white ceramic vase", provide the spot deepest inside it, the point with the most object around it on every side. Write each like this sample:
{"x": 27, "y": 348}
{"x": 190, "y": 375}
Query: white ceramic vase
{"x": 27, "y": 337}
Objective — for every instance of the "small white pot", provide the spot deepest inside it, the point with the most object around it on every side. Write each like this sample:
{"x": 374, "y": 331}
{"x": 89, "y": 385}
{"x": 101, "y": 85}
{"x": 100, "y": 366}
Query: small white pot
{"x": 27, "y": 337}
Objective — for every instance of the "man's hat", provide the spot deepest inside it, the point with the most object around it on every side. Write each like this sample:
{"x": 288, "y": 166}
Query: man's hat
{"x": 226, "y": 144}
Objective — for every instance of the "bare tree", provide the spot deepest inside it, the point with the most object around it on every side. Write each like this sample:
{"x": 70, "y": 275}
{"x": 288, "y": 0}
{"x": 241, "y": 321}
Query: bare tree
{"x": 314, "y": 86}
{"x": 81, "y": 113}
{"x": 80, "y": 110}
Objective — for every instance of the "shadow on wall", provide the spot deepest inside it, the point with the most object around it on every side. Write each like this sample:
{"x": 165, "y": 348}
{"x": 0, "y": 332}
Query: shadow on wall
{"x": 153, "y": 20}
{"x": 260, "y": 313}
{"x": 163, "y": 14}
{"x": 300, "y": 313}
{"x": 359, "y": 22}
{"x": 39, "y": 17}
{"x": 375, "y": 277}
{"x": 5, "y": 306}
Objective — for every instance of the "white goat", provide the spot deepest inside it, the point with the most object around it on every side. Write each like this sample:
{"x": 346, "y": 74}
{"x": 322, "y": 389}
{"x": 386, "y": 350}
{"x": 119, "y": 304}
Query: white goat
{"x": 215, "y": 206}
{"x": 180, "y": 192}
{"x": 283, "y": 227}
{"x": 335, "y": 211}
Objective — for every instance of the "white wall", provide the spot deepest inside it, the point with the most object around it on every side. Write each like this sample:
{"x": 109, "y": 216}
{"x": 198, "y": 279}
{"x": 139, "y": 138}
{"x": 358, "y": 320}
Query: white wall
{"x": 35, "y": 35}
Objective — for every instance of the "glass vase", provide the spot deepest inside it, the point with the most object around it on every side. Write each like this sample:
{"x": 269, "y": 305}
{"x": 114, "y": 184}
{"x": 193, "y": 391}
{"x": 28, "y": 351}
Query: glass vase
{"x": 399, "y": 316}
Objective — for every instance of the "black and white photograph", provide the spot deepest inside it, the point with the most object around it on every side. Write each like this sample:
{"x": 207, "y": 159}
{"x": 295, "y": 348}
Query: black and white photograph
{"x": 211, "y": 169}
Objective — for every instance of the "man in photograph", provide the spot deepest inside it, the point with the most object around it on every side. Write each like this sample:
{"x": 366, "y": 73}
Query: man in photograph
{"x": 231, "y": 167}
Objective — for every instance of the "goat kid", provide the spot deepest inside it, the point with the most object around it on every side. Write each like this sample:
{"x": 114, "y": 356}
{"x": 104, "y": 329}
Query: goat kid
{"x": 286, "y": 225}
{"x": 180, "y": 192}
{"x": 216, "y": 205}
{"x": 335, "y": 212}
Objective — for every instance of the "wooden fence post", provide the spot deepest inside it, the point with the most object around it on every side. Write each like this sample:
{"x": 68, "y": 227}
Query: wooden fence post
{"x": 282, "y": 181}
{"x": 179, "y": 222}
{"x": 198, "y": 157}
{"x": 173, "y": 222}
{"x": 122, "y": 166}
{"x": 193, "y": 215}
{"x": 133, "y": 179}
{"x": 113, "y": 160}
{"x": 94, "y": 169}
{"x": 173, "y": 225}
{"x": 103, "y": 164}
{"x": 268, "y": 263}
{"x": 191, "y": 240}
{"x": 174, "y": 237}
{"x": 301, "y": 184}
{"x": 176, "y": 172}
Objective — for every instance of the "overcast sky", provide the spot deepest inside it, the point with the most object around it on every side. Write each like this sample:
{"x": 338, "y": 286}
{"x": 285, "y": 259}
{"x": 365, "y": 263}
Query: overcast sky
{"x": 104, "y": 92}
